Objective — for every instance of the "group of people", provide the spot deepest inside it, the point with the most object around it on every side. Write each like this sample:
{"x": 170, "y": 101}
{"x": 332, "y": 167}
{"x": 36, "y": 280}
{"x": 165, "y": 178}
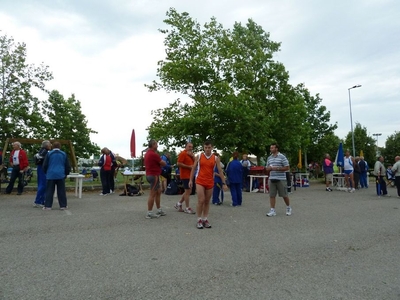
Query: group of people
{"x": 355, "y": 173}
{"x": 201, "y": 171}
{"x": 52, "y": 168}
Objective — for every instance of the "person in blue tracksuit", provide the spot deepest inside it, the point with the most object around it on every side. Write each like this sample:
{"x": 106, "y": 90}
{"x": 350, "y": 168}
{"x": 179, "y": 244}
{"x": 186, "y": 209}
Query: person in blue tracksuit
{"x": 217, "y": 191}
{"x": 234, "y": 170}
{"x": 41, "y": 176}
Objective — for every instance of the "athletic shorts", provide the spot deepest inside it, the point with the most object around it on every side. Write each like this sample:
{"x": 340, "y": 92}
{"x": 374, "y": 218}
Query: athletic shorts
{"x": 185, "y": 183}
{"x": 154, "y": 182}
{"x": 329, "y": 177}
{"x": 278, "y": 187}
{"x": 207, "y": 187}
{"x": 348, "y": 172}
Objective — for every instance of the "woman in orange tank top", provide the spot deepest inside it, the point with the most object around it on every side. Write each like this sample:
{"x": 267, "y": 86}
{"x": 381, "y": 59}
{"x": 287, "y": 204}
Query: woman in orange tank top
{"x": 205, "y": 163}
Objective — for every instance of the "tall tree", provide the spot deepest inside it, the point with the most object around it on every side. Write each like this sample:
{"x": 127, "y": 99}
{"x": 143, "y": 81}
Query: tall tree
{"x": 362, "y": 142}
{"x": 19, "y": 110}
{"x": 65, "y": 120}
{"x": 319, "y": 137}
{"x": 239, "y": 96}
{"x": 392, "y": 147}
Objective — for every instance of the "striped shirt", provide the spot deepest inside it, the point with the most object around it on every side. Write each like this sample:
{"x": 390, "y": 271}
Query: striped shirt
{"x": 279, "y": 160}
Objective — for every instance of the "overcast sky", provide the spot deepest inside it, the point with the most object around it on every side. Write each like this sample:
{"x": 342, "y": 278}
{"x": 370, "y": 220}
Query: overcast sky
{"x": 105, "y": 51}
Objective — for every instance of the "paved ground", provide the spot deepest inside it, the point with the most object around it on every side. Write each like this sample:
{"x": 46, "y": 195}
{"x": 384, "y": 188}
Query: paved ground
{"x": 335, "y": 246}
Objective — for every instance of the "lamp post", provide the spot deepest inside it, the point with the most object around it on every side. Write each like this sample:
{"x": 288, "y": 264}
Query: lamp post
{"x": 351, "y": 118}
{"x": 377, "y": 148}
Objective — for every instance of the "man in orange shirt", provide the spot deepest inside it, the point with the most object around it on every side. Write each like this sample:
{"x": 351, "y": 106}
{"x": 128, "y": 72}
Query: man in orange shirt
{"x": 185, "y": 164}
{"x": 205, "y": 163}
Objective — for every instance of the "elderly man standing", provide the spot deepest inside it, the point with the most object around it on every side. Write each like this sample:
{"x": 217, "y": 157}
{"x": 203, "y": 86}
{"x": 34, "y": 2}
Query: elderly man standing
{"x": 19, "y": 164}
{"x": 396, "y": 173}
{"x": 380, "y": 173}
{"x": 56, "y": 166}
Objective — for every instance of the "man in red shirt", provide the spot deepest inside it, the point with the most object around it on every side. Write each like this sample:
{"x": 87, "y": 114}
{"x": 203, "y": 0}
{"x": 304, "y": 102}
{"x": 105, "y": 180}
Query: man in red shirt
{"x": 19, "y": 164}
{"x": 153, "y": 164}
{"x": 185, "y": 164}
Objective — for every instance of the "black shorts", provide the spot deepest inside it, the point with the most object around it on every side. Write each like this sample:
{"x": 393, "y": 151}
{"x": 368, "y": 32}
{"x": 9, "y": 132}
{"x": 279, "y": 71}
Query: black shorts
{"x": 185, "y": 183}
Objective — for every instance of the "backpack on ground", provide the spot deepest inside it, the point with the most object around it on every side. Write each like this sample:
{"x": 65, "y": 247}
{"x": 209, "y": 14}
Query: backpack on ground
{"x": 172, "y": 188}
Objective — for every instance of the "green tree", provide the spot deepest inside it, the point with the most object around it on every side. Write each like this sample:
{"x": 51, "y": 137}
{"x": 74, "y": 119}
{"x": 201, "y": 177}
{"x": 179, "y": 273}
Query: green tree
{"x": 319, "y": 137}
{"x": 392, "y": 147}
{"x": 361, "y": 142}
{"x": 19, "y": 110}
{"x": 66, "y": 121}
{"x": 239, "y": 96}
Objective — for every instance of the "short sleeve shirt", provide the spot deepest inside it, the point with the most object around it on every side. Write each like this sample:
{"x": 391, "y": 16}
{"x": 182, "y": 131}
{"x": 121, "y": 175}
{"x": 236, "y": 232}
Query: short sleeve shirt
{"x": 152, "y": 163}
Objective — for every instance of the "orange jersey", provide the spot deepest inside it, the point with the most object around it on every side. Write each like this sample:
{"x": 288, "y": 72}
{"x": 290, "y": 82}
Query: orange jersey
{"x": 205, "y": 171}
{"x": 186, "y": 159}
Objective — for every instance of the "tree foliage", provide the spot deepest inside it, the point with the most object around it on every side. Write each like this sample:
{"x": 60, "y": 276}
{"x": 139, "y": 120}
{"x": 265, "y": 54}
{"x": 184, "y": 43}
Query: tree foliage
{"x": 361, "y": 142}
{"x": 239, "y": 96}
{"x": 65, "y": 119}
{"x": 19, "y": 109}
{"x": 24, "y": 116}
{"x": 392, "y": 148}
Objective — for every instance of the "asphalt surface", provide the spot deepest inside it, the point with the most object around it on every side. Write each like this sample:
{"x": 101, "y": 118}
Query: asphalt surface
{"x": 336, "y": 245}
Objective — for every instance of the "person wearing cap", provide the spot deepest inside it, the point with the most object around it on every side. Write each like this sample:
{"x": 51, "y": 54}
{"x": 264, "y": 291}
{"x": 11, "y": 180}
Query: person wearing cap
{"x": 19, "y": 164}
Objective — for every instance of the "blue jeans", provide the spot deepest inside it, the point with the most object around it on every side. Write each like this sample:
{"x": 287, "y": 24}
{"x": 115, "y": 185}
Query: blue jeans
{"x": 217, "y": 191}
{"x": 61, "y": 193}
{"x": 41, "y": 184}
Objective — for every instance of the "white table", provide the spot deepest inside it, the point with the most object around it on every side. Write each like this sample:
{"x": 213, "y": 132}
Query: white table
{"x": 338, "y": 181}
{"x": 78, "y": 183}
{"x": 300, "y": 176}
{"x": 133, "y": 174}
{"x": 264, "y": 177}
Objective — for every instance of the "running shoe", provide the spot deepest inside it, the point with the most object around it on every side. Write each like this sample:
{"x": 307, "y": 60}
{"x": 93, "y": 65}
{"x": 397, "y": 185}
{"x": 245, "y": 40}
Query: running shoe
{"x": 178, "y": 206}
{"x": 160, "y": 213}
{"x": 189, "y": 211}
{"x": 64, "y": 208}
{"x": 150, "y": 215}
{"x": 46, "y": 208}
{"x": 271, "y": 213}
{"x": 288, "y": 211}
{"x": 199, "y": 224}
{"x": 38, "y": 205}
{"x": 206, "y": 224}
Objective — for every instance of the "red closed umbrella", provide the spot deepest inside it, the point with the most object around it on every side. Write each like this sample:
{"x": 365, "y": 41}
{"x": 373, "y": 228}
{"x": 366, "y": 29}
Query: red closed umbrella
{"x": 133, "y": 144}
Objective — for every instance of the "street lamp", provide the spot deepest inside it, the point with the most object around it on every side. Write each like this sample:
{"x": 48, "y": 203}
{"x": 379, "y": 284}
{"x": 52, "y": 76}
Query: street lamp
{"x": 351, "y": 118}
{"x": 377, "y": 148}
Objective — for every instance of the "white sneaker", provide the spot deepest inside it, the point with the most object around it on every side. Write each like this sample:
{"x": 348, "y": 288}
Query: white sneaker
{"x": 271, "y": 213}
{"x": 255, "y": 190}
{"x": 288, "y": 211}
{"x": 352, "y": 190}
